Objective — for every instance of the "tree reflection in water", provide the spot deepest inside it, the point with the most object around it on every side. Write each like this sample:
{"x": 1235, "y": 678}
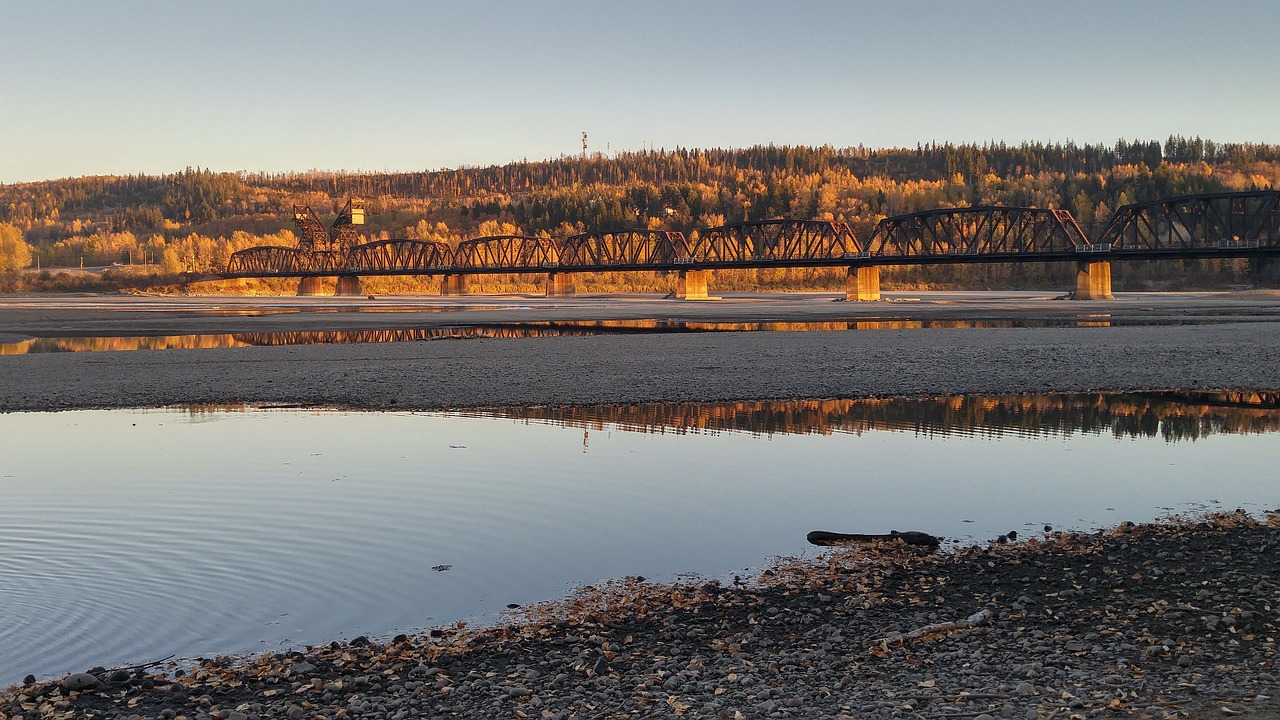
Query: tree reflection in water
{"x": 1170, "y": 415}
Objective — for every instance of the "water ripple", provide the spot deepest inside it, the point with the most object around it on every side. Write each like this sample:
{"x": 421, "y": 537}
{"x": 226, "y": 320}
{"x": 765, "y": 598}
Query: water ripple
{"x": 130, "y": 536}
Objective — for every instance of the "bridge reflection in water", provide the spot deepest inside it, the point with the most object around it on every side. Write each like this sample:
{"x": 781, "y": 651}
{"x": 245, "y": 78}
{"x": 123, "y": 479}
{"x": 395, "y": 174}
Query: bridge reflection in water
{"x": 1170, "y": 415}
{"x": 559, "y": 328}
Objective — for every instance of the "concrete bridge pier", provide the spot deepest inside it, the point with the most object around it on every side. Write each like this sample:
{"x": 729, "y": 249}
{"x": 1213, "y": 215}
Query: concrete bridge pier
{"x": 309, "y": 286}
{"x": 349, "y": 286}
{"x": 453, "y": 285}
{"x": 560, "y": 285}
{"x": 1093, "y": 280}
{"x": 692, "y": 284}
{"x": 862, "y": 283}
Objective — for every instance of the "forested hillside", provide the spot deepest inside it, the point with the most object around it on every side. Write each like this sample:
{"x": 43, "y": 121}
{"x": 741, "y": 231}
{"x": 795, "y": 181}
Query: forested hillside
{"x": 195, "y": 219}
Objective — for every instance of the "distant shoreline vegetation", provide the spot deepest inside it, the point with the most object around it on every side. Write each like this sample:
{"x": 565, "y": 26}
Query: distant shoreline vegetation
{"x": 141, "y": 230}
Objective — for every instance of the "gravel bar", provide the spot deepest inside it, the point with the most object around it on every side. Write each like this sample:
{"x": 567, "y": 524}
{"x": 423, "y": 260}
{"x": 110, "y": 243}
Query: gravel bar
{"x": 1163, "y": 342}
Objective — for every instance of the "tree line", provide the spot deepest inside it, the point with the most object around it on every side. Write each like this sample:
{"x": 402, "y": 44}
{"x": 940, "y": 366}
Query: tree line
{"x": 195, "y": 218}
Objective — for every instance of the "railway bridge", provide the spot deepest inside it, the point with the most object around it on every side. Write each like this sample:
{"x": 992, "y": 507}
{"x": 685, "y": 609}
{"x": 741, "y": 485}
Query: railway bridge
{"x": 1217, "y": 225}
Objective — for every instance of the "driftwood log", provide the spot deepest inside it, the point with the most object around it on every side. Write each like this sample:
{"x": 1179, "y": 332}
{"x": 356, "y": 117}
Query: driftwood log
{"x": 910, "y": 537}
{"x": 978, "y": 618}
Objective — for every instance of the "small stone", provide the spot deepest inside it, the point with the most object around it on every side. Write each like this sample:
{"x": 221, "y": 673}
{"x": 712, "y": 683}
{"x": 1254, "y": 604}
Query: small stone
{"x": 302, "y": 668}
{"x": 1184, "y": 661}
{"x": 80, "y": 681}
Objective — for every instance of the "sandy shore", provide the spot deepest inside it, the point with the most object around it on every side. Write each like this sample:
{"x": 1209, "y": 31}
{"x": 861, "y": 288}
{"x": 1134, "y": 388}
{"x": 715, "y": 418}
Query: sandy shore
{"x": 1182, "y": 341}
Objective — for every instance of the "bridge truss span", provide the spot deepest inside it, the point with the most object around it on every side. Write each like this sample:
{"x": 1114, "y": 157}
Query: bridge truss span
{"x": 400, "y": 256}
{"x": 267, "y": 260}
{"x": 506, "y": 253}
{"x": 985, "y": 232}
{"x": 783, "y": 241}
{"x": 1203, "y": 224}
{"x": 623, "y": 248}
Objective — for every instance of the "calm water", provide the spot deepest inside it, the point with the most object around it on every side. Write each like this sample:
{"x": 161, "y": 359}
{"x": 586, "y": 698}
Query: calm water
{"x": 129, "y": 536}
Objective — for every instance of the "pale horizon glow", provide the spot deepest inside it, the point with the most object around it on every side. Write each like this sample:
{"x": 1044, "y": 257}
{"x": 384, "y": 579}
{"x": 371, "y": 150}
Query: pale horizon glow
{"x": 152, "y": 87}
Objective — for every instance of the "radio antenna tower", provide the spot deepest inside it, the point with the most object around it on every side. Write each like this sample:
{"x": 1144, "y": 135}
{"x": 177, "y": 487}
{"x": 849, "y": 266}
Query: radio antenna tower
{"x": 584, "y": 145}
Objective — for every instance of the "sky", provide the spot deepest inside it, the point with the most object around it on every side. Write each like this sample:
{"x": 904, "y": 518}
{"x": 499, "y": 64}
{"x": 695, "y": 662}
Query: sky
{"x": 155, "y": 86}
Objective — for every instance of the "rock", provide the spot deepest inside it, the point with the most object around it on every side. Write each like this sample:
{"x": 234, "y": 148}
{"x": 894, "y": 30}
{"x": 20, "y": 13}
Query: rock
{"x": 601, "y": 666}
{"x": 302, "y": 668}
{"x": 80, "y": 681}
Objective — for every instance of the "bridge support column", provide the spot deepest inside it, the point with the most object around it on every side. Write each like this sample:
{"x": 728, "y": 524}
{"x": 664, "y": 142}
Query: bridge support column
{"x": 308, "y": 286}
{"x": 453, "y": 285}
{"x": 692, "y": 284}
{"x": 1261, "y": 266}
{"x": 560, "y": 285}
{"x": 349, "y": 286}
{"x": 863, "y": 283}
{"x": 1093, "y": 280}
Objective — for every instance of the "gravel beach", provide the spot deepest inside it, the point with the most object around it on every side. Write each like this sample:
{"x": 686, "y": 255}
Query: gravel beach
{"x": 1174, "y": 619}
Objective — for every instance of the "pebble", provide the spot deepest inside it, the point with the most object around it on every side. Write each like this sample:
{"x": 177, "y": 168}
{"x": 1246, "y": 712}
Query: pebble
{"x": 805, "y": 641}
{"x": 80, "y": 681}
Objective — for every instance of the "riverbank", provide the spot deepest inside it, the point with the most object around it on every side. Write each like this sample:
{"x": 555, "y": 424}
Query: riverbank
{"x": 1171, "y": 619}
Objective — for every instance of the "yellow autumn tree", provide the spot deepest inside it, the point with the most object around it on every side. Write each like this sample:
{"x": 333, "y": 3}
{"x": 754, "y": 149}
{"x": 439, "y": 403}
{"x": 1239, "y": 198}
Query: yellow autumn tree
{"x": 15, "y": 253}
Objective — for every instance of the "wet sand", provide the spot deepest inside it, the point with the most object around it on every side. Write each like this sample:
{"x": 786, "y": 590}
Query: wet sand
{"x": 1138, "y": 342}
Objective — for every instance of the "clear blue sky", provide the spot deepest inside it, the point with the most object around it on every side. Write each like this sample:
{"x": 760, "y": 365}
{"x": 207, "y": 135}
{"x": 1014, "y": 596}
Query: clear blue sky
{"x": 154, "y": 86}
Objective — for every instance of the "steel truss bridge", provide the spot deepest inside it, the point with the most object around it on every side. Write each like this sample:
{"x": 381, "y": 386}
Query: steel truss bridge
{"x": 1219, "y": 225}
